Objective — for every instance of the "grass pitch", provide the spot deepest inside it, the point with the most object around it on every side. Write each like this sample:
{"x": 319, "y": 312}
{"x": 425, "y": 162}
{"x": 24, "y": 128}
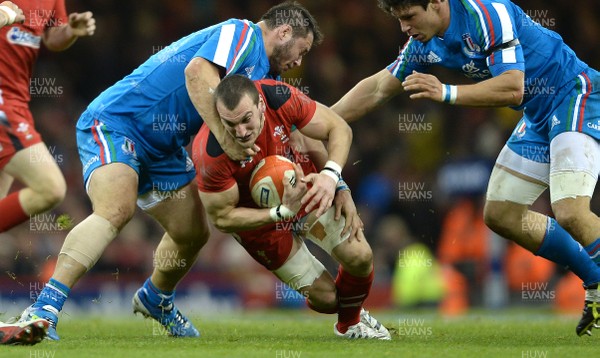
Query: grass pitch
{"x": 302, "y": 334}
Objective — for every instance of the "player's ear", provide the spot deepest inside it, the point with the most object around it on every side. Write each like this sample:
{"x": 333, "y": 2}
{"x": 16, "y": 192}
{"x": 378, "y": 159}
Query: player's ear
{"x": 262, "y": 107}
{"x": 435, "y": 4}
{"x": 285, "y": 32}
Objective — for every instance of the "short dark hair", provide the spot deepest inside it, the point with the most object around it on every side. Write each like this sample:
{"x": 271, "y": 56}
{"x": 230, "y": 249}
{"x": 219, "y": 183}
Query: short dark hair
{"x": 389, "y": 5}
{"x": 232, "y": 89}
{"x": 293, "y": 14}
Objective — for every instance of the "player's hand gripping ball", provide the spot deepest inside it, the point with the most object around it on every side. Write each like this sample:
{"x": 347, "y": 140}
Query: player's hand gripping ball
{"x": 266, "y": 182}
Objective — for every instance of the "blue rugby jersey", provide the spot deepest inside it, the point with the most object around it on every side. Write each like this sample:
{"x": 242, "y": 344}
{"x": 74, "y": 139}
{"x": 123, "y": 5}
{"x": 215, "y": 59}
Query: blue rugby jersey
{"x": 153, "y": 99}
{"x": 488, "y": 37}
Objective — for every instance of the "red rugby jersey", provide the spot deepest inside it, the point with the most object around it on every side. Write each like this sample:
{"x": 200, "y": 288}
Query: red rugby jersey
{"x": 20, "y": 44}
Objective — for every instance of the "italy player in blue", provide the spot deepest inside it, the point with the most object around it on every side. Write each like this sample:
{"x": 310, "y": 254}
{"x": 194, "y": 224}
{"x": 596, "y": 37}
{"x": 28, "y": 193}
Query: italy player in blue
{"x": 514, "y": 62}
{"x": 131, "y": 143}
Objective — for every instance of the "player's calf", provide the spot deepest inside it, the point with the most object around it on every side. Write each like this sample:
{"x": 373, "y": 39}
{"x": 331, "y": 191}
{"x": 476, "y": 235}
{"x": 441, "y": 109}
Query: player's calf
{"x": 321, "y": 294}
{"x": 574, "y": 215}
{"x": 504, "y": 217}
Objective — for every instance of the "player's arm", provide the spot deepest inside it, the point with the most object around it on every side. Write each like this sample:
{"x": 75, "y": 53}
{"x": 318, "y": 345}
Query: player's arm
{"x": 367, "y": 95}
{"x": 315, "y": 149}
{"x": 328, "y": 125}
{"x": 10, "y": 13}
{"x": 201, "y": 78}
{"x": 227, "y": 217}
{"x": 60, "y": 38}
{"x": 505, "y": 62}
{"x": 325, "y": 124}
{"x": 506, "y": 89}
{"x": 343, "y": 202}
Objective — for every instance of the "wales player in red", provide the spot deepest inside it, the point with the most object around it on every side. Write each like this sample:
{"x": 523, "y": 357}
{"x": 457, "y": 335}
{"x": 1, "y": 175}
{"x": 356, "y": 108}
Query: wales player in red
{"x": 23, "y": 155}
{"x": 263, "y": 113}
{"x": 30, "y": 332}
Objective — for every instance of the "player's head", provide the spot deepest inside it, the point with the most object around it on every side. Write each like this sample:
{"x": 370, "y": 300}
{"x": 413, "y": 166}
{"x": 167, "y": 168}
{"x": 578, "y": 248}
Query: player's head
{"x": 240, "y": 108}
{"x": 393, "y": 5}
{"x": 295, "y": 31}
{"x": 420, "y": 19}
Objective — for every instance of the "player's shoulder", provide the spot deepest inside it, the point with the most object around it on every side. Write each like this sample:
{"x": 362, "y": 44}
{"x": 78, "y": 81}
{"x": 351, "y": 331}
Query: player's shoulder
{"x": 472, "y": 4}
{"x": 483, "y": 8}
{"x": 206, "y": 148}
{"x": 240, "y": 25}
{"x": 213, "y": 148}
{"x": 487, "y": 19}
{"x": 230, "y": 26}
{"x": 275, "y": 93}
{"x": 239, "y": 21}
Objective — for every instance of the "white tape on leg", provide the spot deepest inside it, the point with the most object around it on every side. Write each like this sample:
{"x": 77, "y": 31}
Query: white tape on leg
{"x": 87, "y": 241}
{"x": 301, "y": 270}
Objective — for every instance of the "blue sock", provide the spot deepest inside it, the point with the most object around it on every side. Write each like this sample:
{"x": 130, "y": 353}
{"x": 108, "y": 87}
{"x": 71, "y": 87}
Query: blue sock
{"x": 157, "y": 296}
{"x": 54, "y": 294}
{"x": 558, "y": 246}
{"x": 593, "y": 250}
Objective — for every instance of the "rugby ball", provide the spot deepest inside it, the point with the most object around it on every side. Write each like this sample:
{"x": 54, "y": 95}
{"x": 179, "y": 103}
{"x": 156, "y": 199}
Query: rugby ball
{"x": 266, "y": 182}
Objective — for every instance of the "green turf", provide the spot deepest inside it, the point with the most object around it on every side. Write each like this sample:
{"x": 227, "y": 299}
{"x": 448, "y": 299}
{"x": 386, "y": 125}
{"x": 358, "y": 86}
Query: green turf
{"x": 302, "y": 334}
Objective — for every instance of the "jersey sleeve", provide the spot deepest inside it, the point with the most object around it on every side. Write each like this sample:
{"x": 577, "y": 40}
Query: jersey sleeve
{"x": 213, "y": 178}
{"x": 59, "y": 14}
{"x": 496, "y": 35}
{"x": 408, "y": 60}
{"x": 213, "y": 175}
{"x": 290, "y": 104}
{"x": 300, "y": 108}
{"x": 229, "y": 45}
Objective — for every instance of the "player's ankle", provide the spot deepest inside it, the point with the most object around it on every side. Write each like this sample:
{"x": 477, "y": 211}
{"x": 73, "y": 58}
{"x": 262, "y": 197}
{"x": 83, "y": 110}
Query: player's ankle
{"x": 341, "y": 328}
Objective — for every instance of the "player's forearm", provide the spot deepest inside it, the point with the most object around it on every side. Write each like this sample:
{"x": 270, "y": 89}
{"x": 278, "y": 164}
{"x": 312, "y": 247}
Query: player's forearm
{"x": 338, "y": 144}
{"x": 242, "y": 219}
{"x": 59, "y": 38}
{"x": 315, "y": 149}
{"x": 201, "y": 78}
{"x": 327, "y": 125}
{"x": 367, "y": 95}
{"x": 359, "y": 101}
{"x": 503, "y": 90}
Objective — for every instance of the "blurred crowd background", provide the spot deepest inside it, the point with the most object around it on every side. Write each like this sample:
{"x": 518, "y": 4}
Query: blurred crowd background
{"x": 418, "y": 170}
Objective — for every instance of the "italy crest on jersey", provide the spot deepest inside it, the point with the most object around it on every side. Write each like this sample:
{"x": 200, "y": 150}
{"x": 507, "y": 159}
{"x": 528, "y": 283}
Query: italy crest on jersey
{"x": 471, "y": 48}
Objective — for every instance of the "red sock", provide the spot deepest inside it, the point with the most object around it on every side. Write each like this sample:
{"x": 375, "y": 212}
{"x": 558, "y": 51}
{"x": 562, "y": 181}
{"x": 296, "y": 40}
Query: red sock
{"x": 352, "y": 292}
{"x": 12, "y": 212}
{"x": 322, "y": 310}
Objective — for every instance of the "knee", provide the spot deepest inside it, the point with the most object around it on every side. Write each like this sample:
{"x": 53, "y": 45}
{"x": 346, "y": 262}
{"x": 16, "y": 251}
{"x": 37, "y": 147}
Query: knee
{"x": 361, "y": 262}
{"x": 118, "y": 215}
